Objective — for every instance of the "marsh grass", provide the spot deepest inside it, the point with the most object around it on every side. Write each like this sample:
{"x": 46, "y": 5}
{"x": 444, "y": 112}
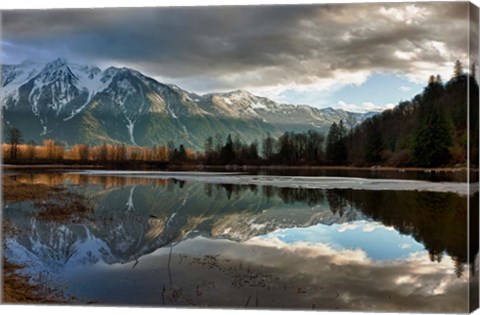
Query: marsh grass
{"x": 65, "y": 207}
{"x": 53, "y": 203}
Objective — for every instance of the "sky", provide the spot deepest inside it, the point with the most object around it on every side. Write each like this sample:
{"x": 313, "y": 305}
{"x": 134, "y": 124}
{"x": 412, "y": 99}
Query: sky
{"x": 359, "y": 57}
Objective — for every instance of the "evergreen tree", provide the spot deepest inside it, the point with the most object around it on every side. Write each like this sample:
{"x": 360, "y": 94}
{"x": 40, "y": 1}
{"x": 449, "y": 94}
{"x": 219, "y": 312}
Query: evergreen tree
{"x": 341, "y": 146}
{"x": 286, "y": 152}
{"x": 268, "y": 144}
{"x": 182, "y": 153}
{"x": 374, "y": 145}
{"x": 314, "y": 146}
{"x": 227, "y": 152}
{"x": 331, "y": 140}
{"x": 432, "y": 141}
{"x": 457, "y": 69}
{"x": 336, "y": 150}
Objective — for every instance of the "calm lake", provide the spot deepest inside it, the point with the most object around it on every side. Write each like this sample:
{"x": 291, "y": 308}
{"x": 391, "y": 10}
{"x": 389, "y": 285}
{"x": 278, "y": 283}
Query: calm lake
{"x": 248, "y": 240}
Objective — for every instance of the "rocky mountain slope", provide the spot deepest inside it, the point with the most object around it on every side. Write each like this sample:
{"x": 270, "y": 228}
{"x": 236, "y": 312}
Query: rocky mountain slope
{"x": 76, "y": 103}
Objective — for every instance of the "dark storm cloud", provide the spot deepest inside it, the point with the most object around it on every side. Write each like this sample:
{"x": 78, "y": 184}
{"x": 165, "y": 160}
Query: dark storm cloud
{"x": 238, "y": 46}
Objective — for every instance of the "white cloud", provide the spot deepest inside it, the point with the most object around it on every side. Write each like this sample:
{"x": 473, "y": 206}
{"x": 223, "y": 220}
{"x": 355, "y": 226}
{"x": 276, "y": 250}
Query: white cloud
{"x": 405, "y": 88}
{"x": 364, "y": 107}
{"x": 405, "y": 245}
{"x": 408, "y": 14}
{"x": 404, "y": 55}
{"x": 424, "y": 69}
{"x": 314, "y": 92}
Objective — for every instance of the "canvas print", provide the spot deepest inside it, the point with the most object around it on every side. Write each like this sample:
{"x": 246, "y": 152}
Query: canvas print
{"x": 313, "y": 157}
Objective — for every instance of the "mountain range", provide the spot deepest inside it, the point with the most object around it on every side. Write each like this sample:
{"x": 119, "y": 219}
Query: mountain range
{"x": 75, "y": 103}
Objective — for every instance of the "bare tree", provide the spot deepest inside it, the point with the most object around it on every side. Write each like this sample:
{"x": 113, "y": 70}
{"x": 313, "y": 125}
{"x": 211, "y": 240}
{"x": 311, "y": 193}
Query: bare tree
{"x": 14, "y": 137}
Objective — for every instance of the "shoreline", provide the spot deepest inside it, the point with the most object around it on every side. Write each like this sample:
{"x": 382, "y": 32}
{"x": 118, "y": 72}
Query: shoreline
{"x": 343, "y": 168}
{"x": 250, "y": 167}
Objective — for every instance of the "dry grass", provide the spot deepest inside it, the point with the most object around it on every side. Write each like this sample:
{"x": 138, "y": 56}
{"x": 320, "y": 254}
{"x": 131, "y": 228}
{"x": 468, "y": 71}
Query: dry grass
{"x": 14, "y": 191}
{"x": 65, "y": 207}
{"x": 54, "y": 204}
{"x": 16, "y": 287}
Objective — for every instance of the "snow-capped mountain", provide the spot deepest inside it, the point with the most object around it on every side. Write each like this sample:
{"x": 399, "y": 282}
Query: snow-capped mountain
{"x": 82, "y": 104}
{"x": 287, "y": 117}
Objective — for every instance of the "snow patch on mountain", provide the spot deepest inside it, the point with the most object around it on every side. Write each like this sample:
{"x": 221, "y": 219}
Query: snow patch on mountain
{"x": 259, "y": 106}
{"x": 13, "y": 76}
{"x": 91, "y": 80}
{"x": 228, "y": 101}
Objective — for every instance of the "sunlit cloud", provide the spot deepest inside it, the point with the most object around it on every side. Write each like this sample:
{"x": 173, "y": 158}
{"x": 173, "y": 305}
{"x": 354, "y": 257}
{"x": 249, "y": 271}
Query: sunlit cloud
{"x": 364, "y": 107}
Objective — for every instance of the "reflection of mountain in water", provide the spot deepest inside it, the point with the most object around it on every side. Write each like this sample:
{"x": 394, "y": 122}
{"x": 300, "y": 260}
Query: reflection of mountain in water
{"x": 134, "y": 220}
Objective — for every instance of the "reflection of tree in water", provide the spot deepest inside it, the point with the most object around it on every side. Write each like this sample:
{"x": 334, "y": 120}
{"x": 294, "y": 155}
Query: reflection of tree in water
{"x": 173, "y": 183}
{"x": 437, "y": 220}
{"x": 309, "y": 196}
{"x": 208, "y": 189}
{"x": 268, "y": 191}
{"x": 229, "y": 190}
{"x": 337, "y": 201}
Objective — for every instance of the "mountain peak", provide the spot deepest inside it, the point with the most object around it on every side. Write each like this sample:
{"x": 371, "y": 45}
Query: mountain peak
{"x": 56, "y": 65}
{"x": 240, "y": 92}
{"x": 58, "y": 62}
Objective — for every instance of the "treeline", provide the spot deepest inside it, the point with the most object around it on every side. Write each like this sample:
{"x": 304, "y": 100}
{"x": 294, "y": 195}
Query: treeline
{"x": 428, "y": 131}
{"x": 290, "y": 148}
{"x": 50, "y": 150}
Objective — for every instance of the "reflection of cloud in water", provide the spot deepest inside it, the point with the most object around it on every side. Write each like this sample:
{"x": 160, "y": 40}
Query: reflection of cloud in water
{"x": 377, "y": 241}
{"x": 279, "y": 274}
{"x": 364, "y": 225}
{"x": 310, "y": 250}
{"x": 415, "y": 280}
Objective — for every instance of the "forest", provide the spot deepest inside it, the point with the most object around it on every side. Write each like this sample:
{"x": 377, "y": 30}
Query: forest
{"x": 431, "y": 130}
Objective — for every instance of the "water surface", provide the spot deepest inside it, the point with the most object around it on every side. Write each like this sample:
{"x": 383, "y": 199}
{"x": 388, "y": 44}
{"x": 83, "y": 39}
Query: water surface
{"x": 268, "y": 241}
